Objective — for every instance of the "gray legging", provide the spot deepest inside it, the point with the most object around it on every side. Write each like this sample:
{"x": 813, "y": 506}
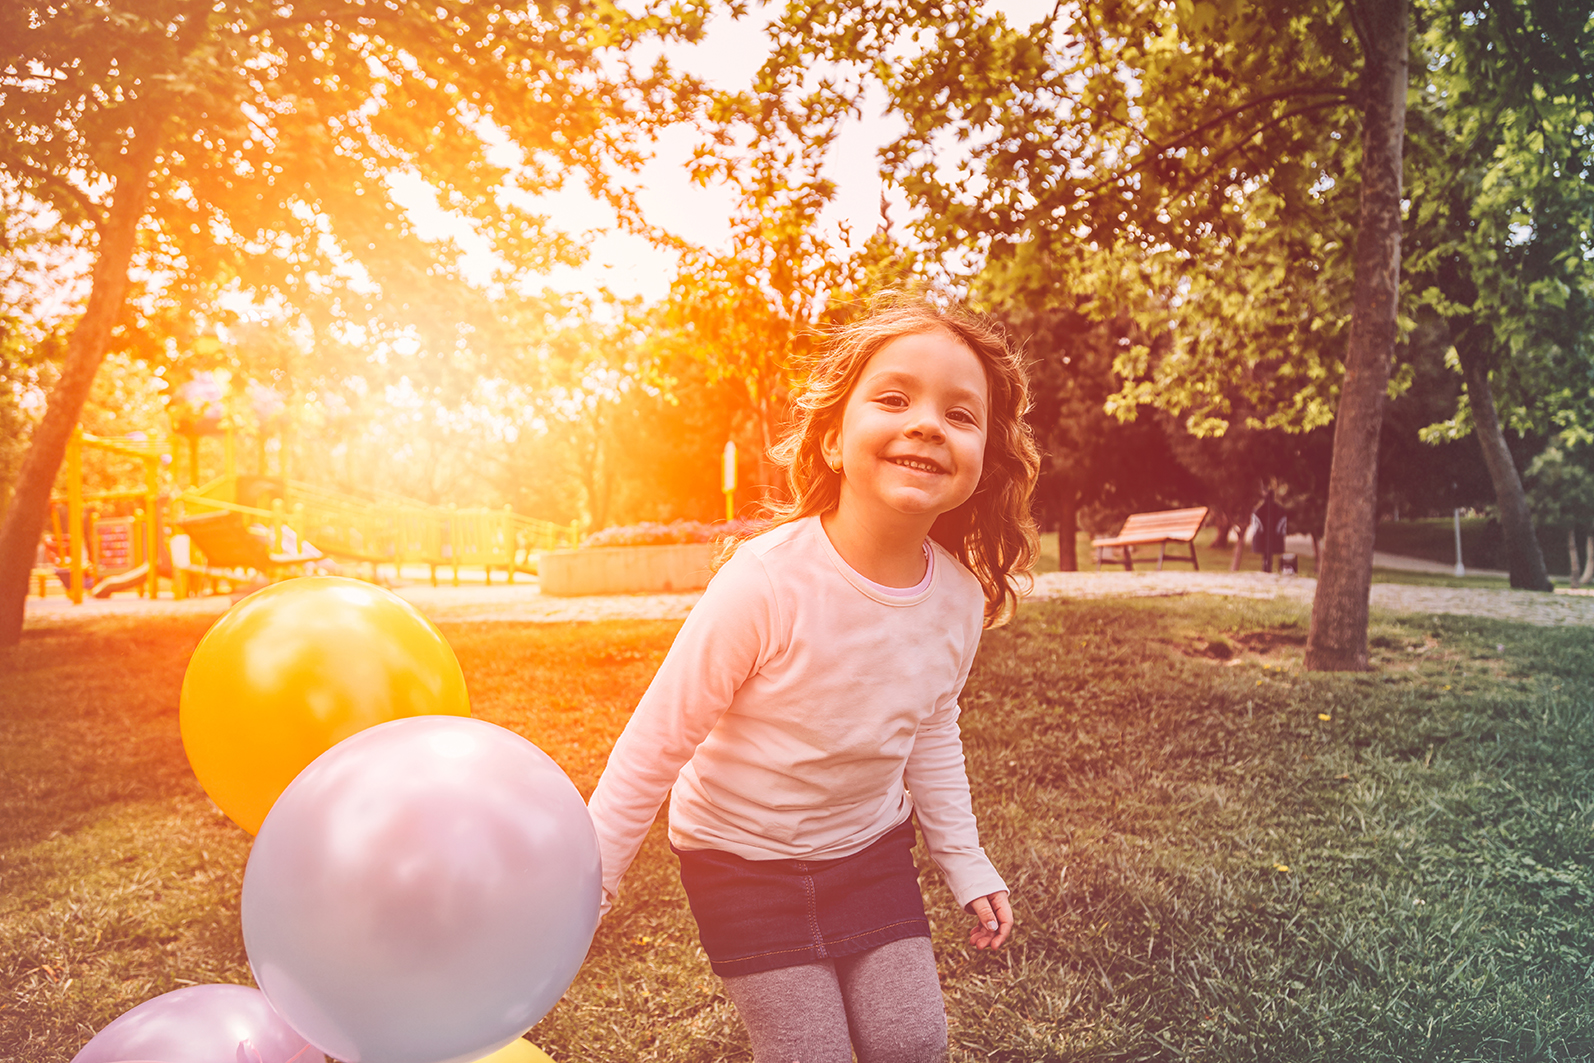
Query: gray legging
{"x": 885, "y": 1003}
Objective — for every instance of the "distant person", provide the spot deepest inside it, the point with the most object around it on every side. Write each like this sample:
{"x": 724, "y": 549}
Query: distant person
{"x": 1268, "y": 531}
{"x": 807, "y": 713}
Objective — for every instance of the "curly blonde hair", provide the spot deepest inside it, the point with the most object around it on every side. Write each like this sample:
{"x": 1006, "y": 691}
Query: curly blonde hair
{"x": 993, "y": 533}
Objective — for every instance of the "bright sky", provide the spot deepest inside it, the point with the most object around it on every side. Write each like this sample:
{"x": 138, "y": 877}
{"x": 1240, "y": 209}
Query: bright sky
{"x": 730, "y": 53}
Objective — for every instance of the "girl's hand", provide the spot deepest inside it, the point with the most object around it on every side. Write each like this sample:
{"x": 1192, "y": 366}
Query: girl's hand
{"x": 993, "y": 919}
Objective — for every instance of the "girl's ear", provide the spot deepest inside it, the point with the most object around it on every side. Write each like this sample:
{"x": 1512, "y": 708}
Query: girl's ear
{"x": 830, "y": 447}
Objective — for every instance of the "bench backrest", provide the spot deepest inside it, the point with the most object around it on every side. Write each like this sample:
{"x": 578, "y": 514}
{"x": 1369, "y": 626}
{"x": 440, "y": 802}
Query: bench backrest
{"x": 1181, "y": 524}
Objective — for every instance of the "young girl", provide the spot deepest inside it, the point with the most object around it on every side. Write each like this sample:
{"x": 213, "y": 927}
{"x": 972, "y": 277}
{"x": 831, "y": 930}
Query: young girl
{"x": 806, "y": 715}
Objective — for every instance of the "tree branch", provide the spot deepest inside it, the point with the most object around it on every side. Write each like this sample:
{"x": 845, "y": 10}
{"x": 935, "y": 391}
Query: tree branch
{"x": 90, "y": 209}
{"x": 1225, "y": 153}
{"x": 1119, "y": 178}
{"x": 1239, "y": 144}
{"x": 1353, "y": 9}
{"x": 1339, "y": 93}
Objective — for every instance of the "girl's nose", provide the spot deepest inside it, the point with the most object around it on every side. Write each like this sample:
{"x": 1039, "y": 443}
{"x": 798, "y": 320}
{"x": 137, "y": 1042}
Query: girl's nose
{"x": 926, "y": 425}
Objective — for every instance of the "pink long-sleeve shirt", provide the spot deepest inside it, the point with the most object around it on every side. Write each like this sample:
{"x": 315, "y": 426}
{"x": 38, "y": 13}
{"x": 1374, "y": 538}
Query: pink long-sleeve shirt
{"x": 801, "y": 714}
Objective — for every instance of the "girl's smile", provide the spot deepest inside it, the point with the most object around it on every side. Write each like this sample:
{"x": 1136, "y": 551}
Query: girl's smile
{"x": 918, "y": 463}
{"x": 911, "y": 442}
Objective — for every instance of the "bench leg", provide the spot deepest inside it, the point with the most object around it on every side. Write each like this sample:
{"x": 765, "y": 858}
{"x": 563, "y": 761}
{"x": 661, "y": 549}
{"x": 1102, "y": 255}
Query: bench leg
{"x": 1162, "y": 553}
{"x": 1129, "y": 559}
{"x": 1195, "y": 566}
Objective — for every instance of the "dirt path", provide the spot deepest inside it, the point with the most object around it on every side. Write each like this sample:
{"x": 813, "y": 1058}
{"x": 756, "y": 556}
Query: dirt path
{"x": 1564, "y": 607}
{"x": 524, "y": 603}
{"x": 521, "y": 602}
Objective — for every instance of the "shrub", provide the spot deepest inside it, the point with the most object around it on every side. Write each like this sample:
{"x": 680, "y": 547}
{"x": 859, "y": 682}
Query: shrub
{"x": 652, "y": 533}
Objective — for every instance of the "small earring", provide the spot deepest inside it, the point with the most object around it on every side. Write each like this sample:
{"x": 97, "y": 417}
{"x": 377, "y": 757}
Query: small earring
{"x": 835, "y": 465}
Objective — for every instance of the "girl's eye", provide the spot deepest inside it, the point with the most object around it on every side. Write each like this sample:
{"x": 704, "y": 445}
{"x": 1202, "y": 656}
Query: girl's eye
{"x": 894, "y": 401}
{"x": 963, "y": 417}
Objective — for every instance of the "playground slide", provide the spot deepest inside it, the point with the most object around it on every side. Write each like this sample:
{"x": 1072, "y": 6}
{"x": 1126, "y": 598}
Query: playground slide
{"x": 106, "y": 586}
{"x": 64, "y": 574}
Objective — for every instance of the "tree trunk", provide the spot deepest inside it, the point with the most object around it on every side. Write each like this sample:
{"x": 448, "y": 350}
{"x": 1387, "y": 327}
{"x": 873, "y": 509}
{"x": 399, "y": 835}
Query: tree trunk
{"x": 1571, "y": 549}
{"x": 1588, "y": 564}
{"x": 1221, "y": 539}
{"x": 24, "y": 519}
{"x": 1338, "y": 638}
{"x": 1067, "y": 529}
{"x": 1523, "y": 555}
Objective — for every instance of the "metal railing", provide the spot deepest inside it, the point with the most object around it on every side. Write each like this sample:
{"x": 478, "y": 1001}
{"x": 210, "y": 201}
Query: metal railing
{"x": 395, "y": 530}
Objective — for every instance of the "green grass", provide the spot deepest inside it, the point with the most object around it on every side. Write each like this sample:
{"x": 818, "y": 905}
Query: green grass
{"x": 1434, "y": 539}
{"x": 1436, "y": 579}
{"x": 1203, "y": 867}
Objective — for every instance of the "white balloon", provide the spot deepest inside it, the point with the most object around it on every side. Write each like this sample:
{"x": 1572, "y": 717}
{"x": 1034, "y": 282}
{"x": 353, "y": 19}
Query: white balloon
{"x": 200, "y": 1024}
{"x": 423, "y": 892}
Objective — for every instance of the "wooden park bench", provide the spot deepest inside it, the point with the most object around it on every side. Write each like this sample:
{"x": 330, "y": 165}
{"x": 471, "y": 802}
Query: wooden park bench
{"x": 1153, "y": 529}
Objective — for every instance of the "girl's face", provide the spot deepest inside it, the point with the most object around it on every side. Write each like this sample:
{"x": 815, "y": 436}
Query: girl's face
{"x": 911, "y": 441}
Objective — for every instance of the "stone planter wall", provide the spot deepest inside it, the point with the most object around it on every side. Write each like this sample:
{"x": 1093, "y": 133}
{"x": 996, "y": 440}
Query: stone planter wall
{"x": 626, "y": 569}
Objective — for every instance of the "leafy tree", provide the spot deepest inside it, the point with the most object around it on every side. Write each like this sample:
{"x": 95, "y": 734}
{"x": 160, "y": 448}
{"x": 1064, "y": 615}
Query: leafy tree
{"x": 1562, "y": 495}
{"x": 668, "y": 439}
{"x": 1208, "y": 167}
{"x": 750, "y": 313}
{"x": 1091, "y": 460}
{"x": 1502, "y": 226}
{"x": 747, "y": 316}
{"x": 31, "y": 336}
{"x": 1237, "y": 468}
{"x": 1421, "y": 472}
{"x": 251, "y": 144}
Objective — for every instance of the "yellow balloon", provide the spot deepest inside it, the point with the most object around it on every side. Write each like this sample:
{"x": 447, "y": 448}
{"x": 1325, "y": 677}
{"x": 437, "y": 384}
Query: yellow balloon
{"x": 519, "y": 1050}
{"x": 294, "y": 669}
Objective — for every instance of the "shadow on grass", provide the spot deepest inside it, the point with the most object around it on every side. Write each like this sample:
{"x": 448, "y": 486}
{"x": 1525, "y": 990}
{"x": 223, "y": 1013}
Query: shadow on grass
{"x": 1214, "y": 855}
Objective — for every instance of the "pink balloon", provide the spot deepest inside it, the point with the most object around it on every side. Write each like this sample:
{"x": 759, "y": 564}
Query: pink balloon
{"x": 423, "y": 892}
{"x": 200, "y": 1024}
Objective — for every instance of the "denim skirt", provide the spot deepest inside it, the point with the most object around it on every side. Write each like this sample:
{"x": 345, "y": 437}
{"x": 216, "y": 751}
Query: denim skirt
{"x": 757, "y": 915}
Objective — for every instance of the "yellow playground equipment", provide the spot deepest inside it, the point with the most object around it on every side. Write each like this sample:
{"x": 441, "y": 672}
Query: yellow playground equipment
{"x": 237, "y": 529}
{"x": 119, "y": 549}
{"x": 300, "y": 523}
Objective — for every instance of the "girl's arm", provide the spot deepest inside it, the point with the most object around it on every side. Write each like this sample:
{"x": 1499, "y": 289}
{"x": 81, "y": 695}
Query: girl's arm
{"x": 938, "y": 780}
{"x": 724, "y": 641}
